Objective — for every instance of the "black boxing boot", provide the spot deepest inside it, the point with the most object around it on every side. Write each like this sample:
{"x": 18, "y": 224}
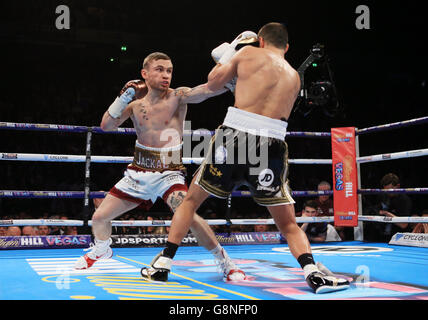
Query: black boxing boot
{"x": 321, "y": 280}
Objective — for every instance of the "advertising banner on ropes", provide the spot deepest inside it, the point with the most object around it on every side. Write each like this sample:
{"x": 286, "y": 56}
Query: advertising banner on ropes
{"x": 345, "y": 197}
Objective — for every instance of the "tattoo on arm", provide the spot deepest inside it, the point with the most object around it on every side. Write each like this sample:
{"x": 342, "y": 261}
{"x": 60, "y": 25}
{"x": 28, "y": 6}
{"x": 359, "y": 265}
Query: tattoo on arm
{"x": 197, "y": 94}
{"x": 184, "y": 92}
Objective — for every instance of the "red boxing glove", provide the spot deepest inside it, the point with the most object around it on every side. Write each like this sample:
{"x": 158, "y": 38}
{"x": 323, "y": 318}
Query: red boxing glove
{"x": 135, "y": 89}
{"x": 139, "y": 87}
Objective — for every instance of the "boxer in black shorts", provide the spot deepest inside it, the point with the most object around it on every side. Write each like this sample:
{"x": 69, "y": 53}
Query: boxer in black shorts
{"x": 243, "y": 157}
{"x": 266, "y": 88}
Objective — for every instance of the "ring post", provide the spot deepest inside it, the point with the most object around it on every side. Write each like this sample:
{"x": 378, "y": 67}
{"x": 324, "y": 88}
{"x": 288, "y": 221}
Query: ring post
{"x": 359, "y": 231}
{"x": 228, "y": 214}
{"x": 86, "y": 208}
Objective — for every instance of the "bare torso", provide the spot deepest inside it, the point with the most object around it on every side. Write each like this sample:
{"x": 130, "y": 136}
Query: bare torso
{"x": 159, "y": 123}
{"x": 267, "y": 84}
{"x": 159, "y": 117}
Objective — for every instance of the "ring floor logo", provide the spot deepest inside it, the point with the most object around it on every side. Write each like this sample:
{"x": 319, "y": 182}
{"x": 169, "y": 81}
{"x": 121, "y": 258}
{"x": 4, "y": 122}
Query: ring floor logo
{"x": 340, "y": 249}
{"x": 108, "y": 279}
{"x": 279, "y": 280}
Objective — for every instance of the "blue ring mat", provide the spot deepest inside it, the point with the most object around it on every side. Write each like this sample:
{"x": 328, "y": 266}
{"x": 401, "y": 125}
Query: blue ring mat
{"x": 378, "y": 272}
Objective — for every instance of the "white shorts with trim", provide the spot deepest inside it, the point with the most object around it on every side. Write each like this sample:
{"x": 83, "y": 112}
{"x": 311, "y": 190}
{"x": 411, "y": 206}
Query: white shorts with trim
{"x": 148, "y": 185}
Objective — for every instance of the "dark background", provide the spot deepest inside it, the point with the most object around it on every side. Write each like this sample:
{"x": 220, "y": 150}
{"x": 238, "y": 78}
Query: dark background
{"x": 67, "y": 77}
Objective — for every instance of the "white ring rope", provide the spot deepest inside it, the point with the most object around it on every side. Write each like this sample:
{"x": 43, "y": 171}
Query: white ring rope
{"x": 394, "y": 156}
{"x": 123, "y": 159}
{"x": 213, "y": 222}
{"x": 384, "y": 219}
{"x": 152, "y": 223}
{"x": 117, "y": 159}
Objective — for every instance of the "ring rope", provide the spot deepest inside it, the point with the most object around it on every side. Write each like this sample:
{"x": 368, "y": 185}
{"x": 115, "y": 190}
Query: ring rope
{"x": 394, "y": 156}
{"x": 117, "y": 159}
{"x": 129, "y": 131}
{"x": 124, "y": 159}
{"x": 240, "y": 193}
{"x": 393, "y": 220}
{"x": 167, "y": 223}
{"x": 392, "y": 191}
{"x": 390, "y": 126}
{"x": 83, "y": 129}
{"x": 100, "y": 194}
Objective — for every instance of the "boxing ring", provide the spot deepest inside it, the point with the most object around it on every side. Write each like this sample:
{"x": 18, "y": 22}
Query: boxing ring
{"x": 378, "y": 271}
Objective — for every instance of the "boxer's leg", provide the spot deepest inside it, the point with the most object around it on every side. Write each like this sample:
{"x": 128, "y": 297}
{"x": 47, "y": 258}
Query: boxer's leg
{"x": 298, "y": 243}
{"x": 184, "y": 215}
{"x": 180, "y": 225}
{"x": 109, "y": 209}
{"x": 206, "y": 238}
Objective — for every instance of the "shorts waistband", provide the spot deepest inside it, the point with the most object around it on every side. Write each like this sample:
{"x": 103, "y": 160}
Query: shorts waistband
{"x": 157, "y": 159}
{"x": 174, "y": 148}
{"x": 255, "y": 124}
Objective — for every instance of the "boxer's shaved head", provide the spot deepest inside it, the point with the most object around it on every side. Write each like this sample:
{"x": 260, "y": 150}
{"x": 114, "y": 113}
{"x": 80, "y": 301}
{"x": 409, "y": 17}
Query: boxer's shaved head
{"x": 154, "y": 57}
{"x": 275, "y": 34}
